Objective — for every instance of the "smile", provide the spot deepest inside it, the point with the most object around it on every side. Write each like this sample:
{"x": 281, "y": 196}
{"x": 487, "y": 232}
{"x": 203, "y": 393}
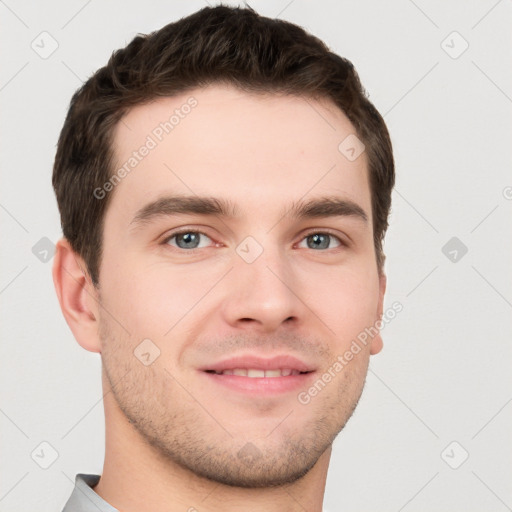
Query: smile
{"x": 256, "y": 373}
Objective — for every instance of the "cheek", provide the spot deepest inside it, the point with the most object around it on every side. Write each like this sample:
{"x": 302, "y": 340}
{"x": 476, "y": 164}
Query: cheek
{"x": 151, "y": 300}
{"x": 349, "y": 303}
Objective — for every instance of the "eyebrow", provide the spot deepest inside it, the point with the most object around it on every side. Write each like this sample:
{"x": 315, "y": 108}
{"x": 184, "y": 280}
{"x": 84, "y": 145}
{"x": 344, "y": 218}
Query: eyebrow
{"x": 327, "y": 207}
{"x": 190, "y": 205}
{"x": 173, "y": 205}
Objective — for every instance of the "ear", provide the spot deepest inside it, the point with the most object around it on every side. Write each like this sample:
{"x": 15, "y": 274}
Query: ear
{"x": 377, "y": 343}
{"x": 78, "y": 298}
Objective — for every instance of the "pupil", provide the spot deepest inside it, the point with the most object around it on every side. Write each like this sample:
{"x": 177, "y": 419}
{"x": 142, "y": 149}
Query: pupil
{"x": 319, "y": 241}
{"x": 189, "y": 239}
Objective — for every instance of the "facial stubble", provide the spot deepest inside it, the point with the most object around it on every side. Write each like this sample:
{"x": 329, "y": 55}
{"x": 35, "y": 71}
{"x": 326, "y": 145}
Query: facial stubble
{"x": 178, "y": 429}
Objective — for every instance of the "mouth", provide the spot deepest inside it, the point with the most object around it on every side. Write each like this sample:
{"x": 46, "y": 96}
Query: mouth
{"x": 256, "y": 375}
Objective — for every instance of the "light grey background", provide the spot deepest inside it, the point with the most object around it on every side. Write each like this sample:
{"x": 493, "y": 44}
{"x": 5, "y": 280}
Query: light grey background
{"x": 444, "y": 373}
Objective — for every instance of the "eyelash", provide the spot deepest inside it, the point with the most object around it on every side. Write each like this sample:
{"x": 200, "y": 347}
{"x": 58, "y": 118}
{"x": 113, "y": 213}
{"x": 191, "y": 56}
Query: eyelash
{"x": 324, "y": 232}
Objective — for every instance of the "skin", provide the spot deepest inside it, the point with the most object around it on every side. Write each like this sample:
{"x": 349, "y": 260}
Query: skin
{"x": 173, "y": 440}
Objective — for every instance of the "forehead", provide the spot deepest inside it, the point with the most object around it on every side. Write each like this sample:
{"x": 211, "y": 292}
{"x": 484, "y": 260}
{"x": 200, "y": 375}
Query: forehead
{"x": 248, "y": 148}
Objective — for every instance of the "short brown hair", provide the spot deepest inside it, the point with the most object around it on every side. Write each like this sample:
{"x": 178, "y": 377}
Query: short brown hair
{"x": 214, "y": 45}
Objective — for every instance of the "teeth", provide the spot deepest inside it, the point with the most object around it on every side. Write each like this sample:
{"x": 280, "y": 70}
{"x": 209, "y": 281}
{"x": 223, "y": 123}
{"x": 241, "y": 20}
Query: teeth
{"x": 254, "y": 373}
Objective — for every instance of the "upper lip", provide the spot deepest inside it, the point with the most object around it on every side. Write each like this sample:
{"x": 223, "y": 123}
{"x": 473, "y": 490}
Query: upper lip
{"x": 260, "y": 363}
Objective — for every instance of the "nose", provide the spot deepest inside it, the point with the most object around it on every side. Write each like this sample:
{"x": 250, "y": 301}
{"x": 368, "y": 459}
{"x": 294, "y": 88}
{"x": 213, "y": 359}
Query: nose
{"x": 262, "y": 295}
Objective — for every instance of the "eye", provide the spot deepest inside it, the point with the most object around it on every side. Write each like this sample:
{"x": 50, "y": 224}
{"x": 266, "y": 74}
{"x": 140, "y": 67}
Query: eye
{"x": 321, "y": 241}
{"x": 187, "y": 240}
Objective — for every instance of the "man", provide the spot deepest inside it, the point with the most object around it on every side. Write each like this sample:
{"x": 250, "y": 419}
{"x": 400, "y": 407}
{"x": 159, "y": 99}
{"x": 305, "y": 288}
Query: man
{"x": 224, "y": 187}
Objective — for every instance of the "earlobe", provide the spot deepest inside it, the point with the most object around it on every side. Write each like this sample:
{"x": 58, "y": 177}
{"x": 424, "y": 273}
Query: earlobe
{"x": 377, "y": 343}
{"x": 77, "y": 296}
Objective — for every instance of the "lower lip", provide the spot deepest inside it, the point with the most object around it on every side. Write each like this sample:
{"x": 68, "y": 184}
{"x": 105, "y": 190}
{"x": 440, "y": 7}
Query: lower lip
{"x": 261, "y": 385}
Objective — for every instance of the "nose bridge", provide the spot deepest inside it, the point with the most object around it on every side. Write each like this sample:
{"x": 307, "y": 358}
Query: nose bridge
{"x": 261, "y": 288}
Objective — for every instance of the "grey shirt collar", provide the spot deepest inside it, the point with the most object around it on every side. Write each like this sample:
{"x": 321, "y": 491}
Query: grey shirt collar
{"x": 84, "y": 499}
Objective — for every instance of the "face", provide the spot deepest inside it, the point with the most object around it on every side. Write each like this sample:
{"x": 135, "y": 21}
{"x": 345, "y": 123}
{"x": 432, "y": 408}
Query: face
{"x": 222, "y": 311}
